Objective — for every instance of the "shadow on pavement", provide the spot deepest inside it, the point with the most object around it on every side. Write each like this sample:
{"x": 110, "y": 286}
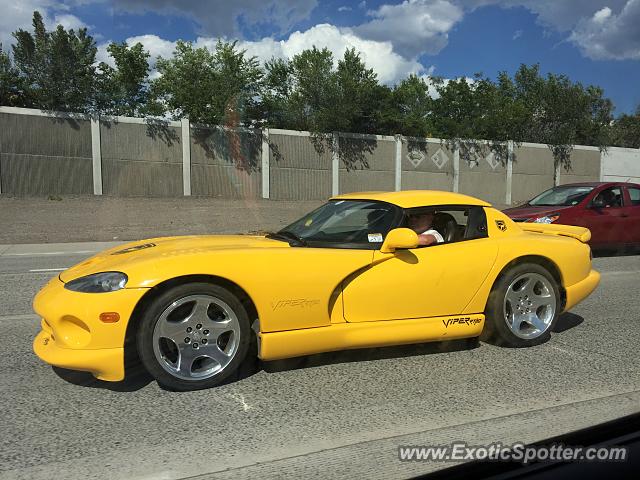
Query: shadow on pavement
{"x": 133, "y": 381}
{"x": 567, "y": 321}
{"x": 367, "y": 354}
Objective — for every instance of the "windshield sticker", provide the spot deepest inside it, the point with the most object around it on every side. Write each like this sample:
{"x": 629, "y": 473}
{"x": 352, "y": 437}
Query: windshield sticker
{"x": 375, "y": 237}
{"x": 308, "y": 222}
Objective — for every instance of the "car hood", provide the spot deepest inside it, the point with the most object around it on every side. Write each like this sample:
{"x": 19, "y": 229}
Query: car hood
{"x": 529, "y": 211}
{"x": 123, "y": 257}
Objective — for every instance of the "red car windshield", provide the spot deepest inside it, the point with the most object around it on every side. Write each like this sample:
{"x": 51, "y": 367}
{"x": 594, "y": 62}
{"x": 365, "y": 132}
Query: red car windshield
{"x": 561, "y": 196}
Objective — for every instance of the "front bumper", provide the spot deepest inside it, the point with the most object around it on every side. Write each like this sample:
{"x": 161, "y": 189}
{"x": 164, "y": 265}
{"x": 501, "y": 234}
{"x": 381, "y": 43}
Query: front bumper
{"x": 72, "y": 335}
{"x": 581, "y": 290}
{"x": 105, "y": 364}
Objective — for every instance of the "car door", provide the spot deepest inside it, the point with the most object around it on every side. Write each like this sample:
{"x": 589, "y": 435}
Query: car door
{"x": 608, "y": 222}
{"x": 432, "y": 281}
{"x": 632, "y": 209}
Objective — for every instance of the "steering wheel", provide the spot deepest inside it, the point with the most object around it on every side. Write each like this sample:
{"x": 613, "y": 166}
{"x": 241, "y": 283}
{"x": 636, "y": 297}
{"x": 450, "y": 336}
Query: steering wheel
{"x": 446, "y": 225}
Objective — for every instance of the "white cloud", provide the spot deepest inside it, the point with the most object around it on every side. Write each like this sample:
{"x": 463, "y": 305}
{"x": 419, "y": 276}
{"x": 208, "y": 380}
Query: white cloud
{"x": 156, "y": 46}
{"x": 607, "y": 35}
{"x": 517, "y": 34}
{"x": 344, "y": 8}
{"x": 601, "y": 29}
{"x": 68, "y": 21}
{"x": 601, "y": 15}
{"x": 380, "y": 56}
{"x": 18, "y": 14}
{"x": 560, "y": 15}
{"x": 413, "y": 26}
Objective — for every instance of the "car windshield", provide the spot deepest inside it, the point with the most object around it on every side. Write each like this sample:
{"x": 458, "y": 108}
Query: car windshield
{"x": 345, "y": 223}
{"x": 561, "y": 196}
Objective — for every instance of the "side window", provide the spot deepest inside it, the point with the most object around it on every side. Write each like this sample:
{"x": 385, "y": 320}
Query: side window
{"x": 454, "y": 223}
{"x": 634, "y": 195}
{"x": 609, "y": 198}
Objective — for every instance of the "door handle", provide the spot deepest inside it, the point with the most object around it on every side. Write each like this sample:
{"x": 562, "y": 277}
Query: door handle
{"x": 624, "y": 215}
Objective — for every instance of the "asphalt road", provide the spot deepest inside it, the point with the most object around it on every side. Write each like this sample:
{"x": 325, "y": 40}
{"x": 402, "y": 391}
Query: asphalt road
{"x": 330, "y": 416}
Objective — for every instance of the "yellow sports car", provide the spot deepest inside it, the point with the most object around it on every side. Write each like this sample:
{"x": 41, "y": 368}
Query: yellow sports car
{"x": 350, "y": 274}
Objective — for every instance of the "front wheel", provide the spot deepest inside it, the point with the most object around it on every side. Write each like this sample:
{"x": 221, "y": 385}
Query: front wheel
{"x": 194, "y": 336}
{"x": 522, "y": 307}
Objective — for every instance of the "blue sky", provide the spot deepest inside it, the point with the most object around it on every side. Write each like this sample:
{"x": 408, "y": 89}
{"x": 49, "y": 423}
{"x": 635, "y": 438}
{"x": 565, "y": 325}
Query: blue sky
{"x": 591, "y": 41}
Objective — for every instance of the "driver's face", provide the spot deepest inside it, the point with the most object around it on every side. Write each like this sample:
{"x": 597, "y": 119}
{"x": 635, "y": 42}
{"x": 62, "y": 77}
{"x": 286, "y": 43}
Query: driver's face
{"x": 420, "y": 223}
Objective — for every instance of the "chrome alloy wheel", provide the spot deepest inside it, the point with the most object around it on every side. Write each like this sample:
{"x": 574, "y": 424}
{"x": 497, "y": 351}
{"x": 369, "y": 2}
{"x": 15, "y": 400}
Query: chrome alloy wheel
{"x": 529, "y": 305}
{"x": 196, "y": 337}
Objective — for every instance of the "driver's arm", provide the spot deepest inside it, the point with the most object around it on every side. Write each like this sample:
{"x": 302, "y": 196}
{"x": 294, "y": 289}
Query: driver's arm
{"x": 426, "y": 239}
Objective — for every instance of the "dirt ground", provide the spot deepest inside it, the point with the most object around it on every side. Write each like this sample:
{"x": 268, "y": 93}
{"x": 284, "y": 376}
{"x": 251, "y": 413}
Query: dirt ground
{"x": 89, "y": 218}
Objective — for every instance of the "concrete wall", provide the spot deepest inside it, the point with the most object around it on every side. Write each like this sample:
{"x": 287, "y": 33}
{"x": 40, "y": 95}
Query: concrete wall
{"x": 225, "y": 163}
{"x": 366, "y": 163}
{"x": 621, "y": 165}
{"x": 533, "y": 169}
{"x": 585, "y": 166}
{"x": 483, "y": 175}
{"x": 43, "y": 155}
{"x": 141, "y": 160}
{"x": 426, "y": 165}
{"x": 296, "y": 170}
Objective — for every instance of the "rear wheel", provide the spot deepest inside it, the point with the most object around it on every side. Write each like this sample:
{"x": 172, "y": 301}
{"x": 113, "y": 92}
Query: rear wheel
{"x": 522, "y": 307}
{"x": 194, "y": 336}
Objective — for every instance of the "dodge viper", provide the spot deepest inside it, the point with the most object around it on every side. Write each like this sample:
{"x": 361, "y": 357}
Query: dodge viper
{"x": 348, "y": 275}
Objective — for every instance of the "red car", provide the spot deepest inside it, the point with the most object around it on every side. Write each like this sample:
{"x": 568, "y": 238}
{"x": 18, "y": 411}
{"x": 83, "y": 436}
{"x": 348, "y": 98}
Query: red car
{"x": 611, "y": 210}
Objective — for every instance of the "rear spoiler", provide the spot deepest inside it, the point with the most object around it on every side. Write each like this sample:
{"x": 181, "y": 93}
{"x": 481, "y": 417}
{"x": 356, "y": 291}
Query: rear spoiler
{"x": 579, "y": 233}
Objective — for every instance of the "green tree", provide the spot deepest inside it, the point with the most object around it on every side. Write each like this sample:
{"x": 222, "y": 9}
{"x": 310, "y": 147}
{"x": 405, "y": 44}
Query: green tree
{"x": 626, "y": 130}
{"x": 123, "y": 90}
{"x": 218, "y": 87}
{"x": 57, "y": 67}
{"x": 411, "y": 107}
{"x": 11, "y": 93}
{"x": 309, "y": 92}
{"x": 357, "y": 92}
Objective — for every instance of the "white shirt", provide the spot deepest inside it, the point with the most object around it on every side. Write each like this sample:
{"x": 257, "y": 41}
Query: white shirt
{"x": 435, "y": 233}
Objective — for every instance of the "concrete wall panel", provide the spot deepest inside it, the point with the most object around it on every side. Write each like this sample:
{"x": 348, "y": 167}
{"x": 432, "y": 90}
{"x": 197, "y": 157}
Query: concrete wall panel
{"x": 224, "y": 181}
{"x": 141, "y": 159}
{"x": 422, "y": 156}
{"x": 45, "y": 136}
{"x": 426, "y": 181}
{"x": 366, "y": 164}
{"x": 584, "y": 167}
{"x": 300, "y": 184}
{"x": 296, "y": 170}
{"x": 533, "y": 160}
{"x": 44, "y": 175}
{"x": 136, "y": 178}
{"x": 225, "y": 162}
{"x": 621, "y": 165}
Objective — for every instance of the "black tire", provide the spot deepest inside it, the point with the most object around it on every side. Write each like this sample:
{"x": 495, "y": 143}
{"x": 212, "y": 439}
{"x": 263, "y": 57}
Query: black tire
{"x": 145, "y": 336}
{"x": 497, "y": 330}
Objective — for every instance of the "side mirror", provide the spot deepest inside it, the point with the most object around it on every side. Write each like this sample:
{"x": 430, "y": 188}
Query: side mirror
{"x": 598, "y": 202}
{"x": 399, "y": 238}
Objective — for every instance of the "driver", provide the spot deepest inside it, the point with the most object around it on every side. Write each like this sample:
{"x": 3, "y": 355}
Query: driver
{"x": 422, "y": 224}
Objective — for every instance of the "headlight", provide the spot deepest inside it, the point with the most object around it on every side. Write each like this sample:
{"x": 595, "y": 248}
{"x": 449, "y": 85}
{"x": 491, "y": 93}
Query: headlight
{"x": 547, "y": 219}
{"x": 98, "y": 283}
